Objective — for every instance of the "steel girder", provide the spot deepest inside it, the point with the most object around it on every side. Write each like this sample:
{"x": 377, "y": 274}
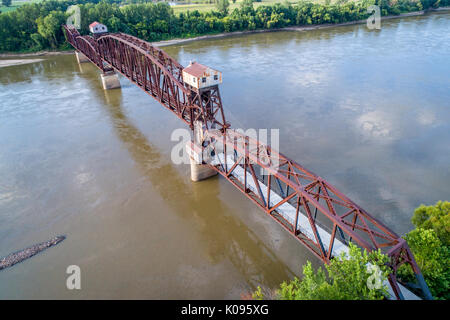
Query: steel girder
{"x": 325, "y": 207}
{"x": 155, "y": 72}
{"x": 272, "y": 180}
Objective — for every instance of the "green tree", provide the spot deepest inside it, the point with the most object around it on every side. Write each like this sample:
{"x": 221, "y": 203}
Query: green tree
{"x": 246, "y": 7}
{"x": 222, "y": 6}
{"x": 33, "y": 26}
{"x": 38, "y": 40}
{"x": 6, "y": 3}
{"x": 346, "y": 278}
{"x": 429, "y": 243}
{"x": 49, "y": 27}
{"x": 433, "y": 259}
{"x": 435, "y": 217}
{"x": 427, "y": 4}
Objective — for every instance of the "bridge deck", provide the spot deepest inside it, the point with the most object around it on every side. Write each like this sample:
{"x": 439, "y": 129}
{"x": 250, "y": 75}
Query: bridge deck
{"x": 159, "y": 75}
{"x": 289, "y": 213}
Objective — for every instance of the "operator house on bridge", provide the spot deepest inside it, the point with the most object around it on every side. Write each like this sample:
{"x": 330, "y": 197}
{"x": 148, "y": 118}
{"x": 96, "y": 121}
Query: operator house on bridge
{"x": 97, "y": 28}
{"x": 290, "y": 194}
{"x": 200, "y": 76}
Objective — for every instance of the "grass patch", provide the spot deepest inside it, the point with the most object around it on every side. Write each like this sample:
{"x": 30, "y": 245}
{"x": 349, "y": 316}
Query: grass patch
{"x": 205, "y": 7}
{"x": 16, "y": 4}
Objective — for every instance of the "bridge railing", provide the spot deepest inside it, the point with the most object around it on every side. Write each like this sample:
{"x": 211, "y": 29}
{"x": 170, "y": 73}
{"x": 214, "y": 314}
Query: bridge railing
{"x": 311, "y": 209}
{"x": 315, "y": 212}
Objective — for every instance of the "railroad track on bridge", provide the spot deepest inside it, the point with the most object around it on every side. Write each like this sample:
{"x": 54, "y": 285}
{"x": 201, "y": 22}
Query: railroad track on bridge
{"x": 307, "y": 206}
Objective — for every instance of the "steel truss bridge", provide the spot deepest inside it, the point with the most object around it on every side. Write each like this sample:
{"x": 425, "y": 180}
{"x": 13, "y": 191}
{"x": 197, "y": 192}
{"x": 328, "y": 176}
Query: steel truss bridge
{"x": 307, "y": 206}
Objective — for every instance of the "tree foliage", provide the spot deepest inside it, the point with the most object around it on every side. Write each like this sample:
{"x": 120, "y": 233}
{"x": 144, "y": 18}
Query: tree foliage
{"x": 429, "y": 243}
{"x": 36, "y": 26}
{"x": 346, "y": 278}
{"x": 6, "y": 3}
{"x": 222, "y": 6}
{"x": 435, "y": 217}
{"x": 49, "y": 27}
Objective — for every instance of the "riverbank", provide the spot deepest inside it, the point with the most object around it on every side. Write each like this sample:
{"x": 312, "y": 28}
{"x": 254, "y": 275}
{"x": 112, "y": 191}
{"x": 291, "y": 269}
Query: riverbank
{"x": 15, "y": 62}
{"x": 299, "y": 28}
{"x": 237, "y": 33}
{"x": 35, "y": 54}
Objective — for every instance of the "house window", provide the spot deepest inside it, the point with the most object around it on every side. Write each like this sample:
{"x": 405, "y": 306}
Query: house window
{"x": 204, "y": 79}
{"x": 216, "y": 77}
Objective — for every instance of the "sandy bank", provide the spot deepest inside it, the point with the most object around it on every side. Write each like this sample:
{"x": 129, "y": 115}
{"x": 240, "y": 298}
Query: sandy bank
{"x": 35, "y": 54}
{"x": 14, "y": 62}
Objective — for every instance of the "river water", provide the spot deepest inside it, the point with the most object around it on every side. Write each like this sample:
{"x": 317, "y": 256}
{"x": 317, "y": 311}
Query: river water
{"x": 367, "y": 110}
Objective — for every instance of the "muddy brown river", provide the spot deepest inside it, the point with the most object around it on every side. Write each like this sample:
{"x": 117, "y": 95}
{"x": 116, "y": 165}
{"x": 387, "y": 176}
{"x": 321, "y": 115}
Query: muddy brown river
{"x": 367, "y": 110}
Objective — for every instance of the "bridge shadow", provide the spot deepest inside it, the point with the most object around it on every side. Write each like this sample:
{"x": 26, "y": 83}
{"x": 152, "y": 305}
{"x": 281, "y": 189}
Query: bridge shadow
{"x": 225, "y": 236}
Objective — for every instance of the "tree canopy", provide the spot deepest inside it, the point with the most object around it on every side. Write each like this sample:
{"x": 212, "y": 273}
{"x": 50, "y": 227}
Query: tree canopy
{"x": 346, "y": 278}
{"x": 222, "y": 6}
{"x": 6, "y": 3}
{"x": 435, "y": 217}
{"x": 37, "y": 26}
{"x": 429, "y": 243}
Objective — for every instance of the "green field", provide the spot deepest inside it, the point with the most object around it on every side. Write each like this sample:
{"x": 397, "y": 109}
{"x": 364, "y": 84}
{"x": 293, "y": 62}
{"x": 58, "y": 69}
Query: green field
{"x": 15, "y": 4}
{"x": 203, "y": 7}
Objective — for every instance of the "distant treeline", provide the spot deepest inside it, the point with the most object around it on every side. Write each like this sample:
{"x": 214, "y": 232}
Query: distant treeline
{"x": 37, "y": 26}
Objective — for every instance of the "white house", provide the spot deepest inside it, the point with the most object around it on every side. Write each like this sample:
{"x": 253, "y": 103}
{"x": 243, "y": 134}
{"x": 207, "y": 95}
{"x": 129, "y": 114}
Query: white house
{"x": 200, "y": 76}
{"x": 96, "y": 28}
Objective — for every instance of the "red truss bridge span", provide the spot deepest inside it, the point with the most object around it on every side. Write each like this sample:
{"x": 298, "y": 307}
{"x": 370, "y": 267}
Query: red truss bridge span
{"x": 307, "y": 206}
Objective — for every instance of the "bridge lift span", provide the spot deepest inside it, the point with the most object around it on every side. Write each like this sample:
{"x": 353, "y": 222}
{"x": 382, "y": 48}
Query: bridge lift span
{"x": 307, "y": 206}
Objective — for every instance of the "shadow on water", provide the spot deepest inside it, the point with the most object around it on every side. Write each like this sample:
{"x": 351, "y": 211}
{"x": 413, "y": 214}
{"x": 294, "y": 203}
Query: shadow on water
{"x": 22, "y": 73}
{"x": 225, "y": 236}
{"x": 55, "y": 67}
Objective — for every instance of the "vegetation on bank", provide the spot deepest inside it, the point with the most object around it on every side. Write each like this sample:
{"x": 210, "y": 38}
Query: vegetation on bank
{"x": 346, "y": 278}
{"x": 37, "y": 26}
{"x": 210, "y": 5}
{"x": 430, "y": 244}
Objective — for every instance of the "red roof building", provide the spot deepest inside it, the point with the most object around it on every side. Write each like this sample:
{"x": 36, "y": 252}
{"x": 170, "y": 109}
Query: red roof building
{"x": 200, "y": 76}
{"x": 97, "y": 27}
{"x": 196, "y": 69}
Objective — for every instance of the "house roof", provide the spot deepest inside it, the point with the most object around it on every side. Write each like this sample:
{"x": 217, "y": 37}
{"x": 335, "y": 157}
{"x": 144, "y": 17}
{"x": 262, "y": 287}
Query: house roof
{"x": 196, "y": 69}
{"x": 93, "y": 24}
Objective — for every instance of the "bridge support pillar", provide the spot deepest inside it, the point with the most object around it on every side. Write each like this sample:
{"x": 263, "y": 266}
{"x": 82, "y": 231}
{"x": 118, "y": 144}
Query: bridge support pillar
{"x": 81, "y": 58}
{"x": 110, "y": 80}
{"x": 199, "y": 171}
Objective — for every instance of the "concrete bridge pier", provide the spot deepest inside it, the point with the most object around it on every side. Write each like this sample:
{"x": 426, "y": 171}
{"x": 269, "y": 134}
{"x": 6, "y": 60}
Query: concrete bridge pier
{"x": 199, "y": 170}
{"x": 81, "y": 58}
{"x": 110, "y": 80}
